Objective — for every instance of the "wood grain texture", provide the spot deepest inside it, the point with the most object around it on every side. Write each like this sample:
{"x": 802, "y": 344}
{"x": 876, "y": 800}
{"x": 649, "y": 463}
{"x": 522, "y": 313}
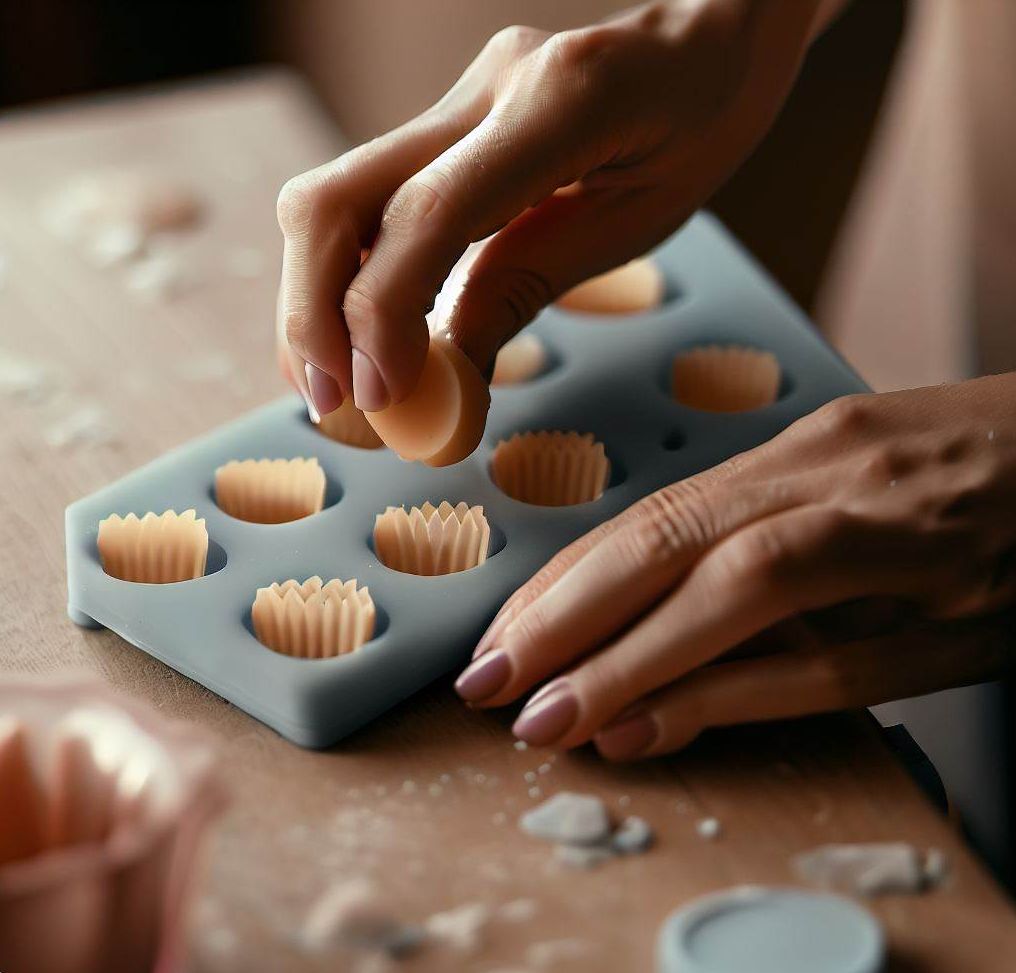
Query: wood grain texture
{"x": 425, "y": 800}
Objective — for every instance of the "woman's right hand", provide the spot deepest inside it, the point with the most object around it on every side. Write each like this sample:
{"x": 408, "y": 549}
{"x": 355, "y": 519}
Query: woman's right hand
{"x": 567, "y": 154}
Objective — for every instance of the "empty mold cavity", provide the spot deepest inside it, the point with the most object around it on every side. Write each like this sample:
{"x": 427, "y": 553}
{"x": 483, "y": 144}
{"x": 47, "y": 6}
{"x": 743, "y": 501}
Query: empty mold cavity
{"x": 158, "y": 548}
{"x": 270, "y": 491}
{"x": 521, "y": 360}
{"x": 431, "y": 540}
{"x": 632, "y": 288}
{"x": 725, "y": 378}
{"x": 98, "y": 794}
{"x": 551, "y": 469}
{"x": 314, "y": 620}
{"x": 347, "y": 425}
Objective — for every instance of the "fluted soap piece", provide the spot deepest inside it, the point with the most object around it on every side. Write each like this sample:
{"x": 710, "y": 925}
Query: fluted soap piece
{"x": 725, "y": 378}
{"x": 628, "y": 289}
{"x": 431, "y": 540}
{"x": 155, "y": 549}
{"x": 442, "y": 420}
{"x": 270, "y": 491}
{"x": 313, "y": 620}
{"x": 552, "y": 469}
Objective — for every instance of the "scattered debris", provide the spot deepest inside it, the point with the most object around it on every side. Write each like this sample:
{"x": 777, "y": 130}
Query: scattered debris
{"x": 460, "y": 928}
{"x": 624, "y": 800}
{"x": 88, "y": 424}
{"x": 529, "y": 777}
{"x": 872, "y": 869}
{"x": 574, "y": 819}
{"x": 350, "y": 914}
{"x": 115, "y": 244}
{"x": 633, "y": 836}
{"x": 709, "y": 828}
{"x": 520, "y": 745}
{"x": 544, "y": 768}
{"x": 535, "y": 792}
{"x": 159, "y": 276}
{"x": 22, "y": 378}
{"x": 518, "y": 910}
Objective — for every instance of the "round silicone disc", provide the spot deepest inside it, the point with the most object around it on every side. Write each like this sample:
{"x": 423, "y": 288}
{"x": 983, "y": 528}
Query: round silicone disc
{"x": 769, "y": 930}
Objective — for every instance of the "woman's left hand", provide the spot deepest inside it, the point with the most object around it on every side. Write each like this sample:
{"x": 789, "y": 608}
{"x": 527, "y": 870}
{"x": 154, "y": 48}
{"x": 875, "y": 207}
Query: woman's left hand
{"x": 890, "y": 513}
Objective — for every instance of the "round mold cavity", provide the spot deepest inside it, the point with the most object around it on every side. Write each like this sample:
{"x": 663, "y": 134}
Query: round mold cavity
{"x": 333, "y": 494}
{"x": 525, "y": 345}
{"x": 771, "y": 930}
{"x": 725, "y": 349}
{"x": 496, "y": 544}
{"x": 616, "y": 473}
{"x": 636, "y": 288}
{"x": 215, "y": 561}
{"x": 381, "y": 621}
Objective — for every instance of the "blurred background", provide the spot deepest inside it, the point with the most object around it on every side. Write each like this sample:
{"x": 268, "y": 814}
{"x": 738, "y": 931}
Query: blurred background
{"x": 882, "y": 200}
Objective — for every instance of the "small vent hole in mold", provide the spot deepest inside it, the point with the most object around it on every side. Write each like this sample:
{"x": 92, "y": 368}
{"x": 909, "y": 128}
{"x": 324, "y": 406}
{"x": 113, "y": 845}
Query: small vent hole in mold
{"x": 725, "y": 378}
{"x": 158, "y": 548}
{"x": 434, "y": 540}
{"x": 550, "y": 468}
{"x": 674, "y": 440}
{"x": 270, "y": 491}
{"x": 348, "y": 426}
{"x": 315, "y": 619}
{"x": 632, "y": 288}
{"x": 521, "y": 360}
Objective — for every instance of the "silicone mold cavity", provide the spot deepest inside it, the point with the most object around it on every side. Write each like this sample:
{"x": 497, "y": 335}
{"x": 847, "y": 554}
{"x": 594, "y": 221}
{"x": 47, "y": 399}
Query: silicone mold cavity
{"x": 608, "y": 383}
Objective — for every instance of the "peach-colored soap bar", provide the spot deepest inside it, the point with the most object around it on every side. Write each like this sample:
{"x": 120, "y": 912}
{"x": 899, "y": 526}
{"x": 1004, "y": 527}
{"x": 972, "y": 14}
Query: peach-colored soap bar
{"x": 442, "y": 420}
{"x": 628, "y": 289}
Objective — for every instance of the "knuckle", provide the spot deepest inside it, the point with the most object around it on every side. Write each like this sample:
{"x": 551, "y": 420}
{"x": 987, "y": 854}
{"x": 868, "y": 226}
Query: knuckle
{"x": 882, "y": 464}
{"x": 844, "y": 417}
{"x": 299, "y": 204}
{"x": 414, "y": 201}
{"x": 514, "y": 41}
{"x": 360, "y": 308}
{"x": 297, "y": 326}
{"x": 674, "y": 522}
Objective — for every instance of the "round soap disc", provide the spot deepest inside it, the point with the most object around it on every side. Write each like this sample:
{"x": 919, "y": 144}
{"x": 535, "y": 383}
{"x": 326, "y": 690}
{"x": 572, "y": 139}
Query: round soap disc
{"x": 752, "y": 929}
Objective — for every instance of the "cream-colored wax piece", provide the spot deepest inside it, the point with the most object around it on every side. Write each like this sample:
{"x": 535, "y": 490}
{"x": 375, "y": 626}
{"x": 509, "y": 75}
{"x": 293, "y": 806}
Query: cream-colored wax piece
{"x": 155, "y": 549}
{"x": 442, "y": 420}
{"x": 313, "y": 620}
{"x": 270, "y": 491}
{"x": 348, "y": 425}
{"x": 628, "y": 289}
{"x": 725, "y": 378}
{"x": 519, "y": 360}
{"x": 431, "y": 540}
{"x": 552, "y": 469}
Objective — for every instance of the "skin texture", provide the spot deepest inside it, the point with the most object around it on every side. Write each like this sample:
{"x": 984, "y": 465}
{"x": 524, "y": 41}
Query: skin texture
{"x": 877, "y": 530}
{"x": 865, "y": 554}
{"x": 551, "y": 160}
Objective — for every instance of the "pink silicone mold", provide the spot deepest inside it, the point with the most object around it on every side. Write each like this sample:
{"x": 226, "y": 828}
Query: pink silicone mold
{"x": 103, "y": 807}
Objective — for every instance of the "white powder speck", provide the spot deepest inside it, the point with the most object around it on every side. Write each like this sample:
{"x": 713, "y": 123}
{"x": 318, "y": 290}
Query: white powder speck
{"x": 535, "y": 792}
{"x": 435, "y": 790}
{"x": 708, "y": 828}
{"x": 159, "y": 277}
{"x": 22, "y": 378}
{"x": 529, "y": 777}
{"x": 114, "y": 244}
{"x": 991, "y": 435}
{"x": 480, "y": 778}
{"x": 88, "y": 424}
{"x": 518, "y": 910}
{"x": 409, "y": 787}
{"x": 624, "y": 800}
{"x": 892, "y": 483}
{"x": 520, "y": 745}
{"x": 460, "y": 928}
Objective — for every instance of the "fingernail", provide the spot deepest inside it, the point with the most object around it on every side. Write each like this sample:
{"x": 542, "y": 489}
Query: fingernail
{"x": 324, "y": 390}
{"x": 548, "y": 718}
{"x": 626, "y": 737}
{"x": 484, "y": 677}
{"x": 370, "y": 394}
{"x": 312, "y": 411}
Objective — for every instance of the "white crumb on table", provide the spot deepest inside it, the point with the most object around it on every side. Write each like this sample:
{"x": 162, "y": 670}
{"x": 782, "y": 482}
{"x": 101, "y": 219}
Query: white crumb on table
{"x": 535, "y": 792}
{"x": 633, "y": 836}
{"x": 575, "y": 819}
{"x": 709, "y": 828}
{"x": 460, "y": 928}
{"x": 518, "y": 910}
{"x": 22, "y": 378}
{"x": 520, "y": 745}
{"x": 871, "y": 869}
{"x": 529, "y": 777}
{"x": 87, "y": 424}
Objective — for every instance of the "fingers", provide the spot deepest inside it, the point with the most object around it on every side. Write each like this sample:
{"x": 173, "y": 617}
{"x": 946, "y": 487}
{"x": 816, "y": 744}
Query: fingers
{"x": 525, "y": 149}
{"x": 593, "y": 592}
{"x": 806, "y": 558}
{"x": 327, "y": 216}
{"x": 804, "y": 682}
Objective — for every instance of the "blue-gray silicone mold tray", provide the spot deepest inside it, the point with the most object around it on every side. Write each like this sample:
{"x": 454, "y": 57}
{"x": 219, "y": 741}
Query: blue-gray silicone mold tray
{"x": 607, "y": 376}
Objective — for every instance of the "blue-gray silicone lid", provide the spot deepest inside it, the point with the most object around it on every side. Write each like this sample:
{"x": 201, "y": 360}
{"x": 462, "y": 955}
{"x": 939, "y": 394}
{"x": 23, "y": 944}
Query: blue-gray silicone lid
{"x": 753, "y": 929}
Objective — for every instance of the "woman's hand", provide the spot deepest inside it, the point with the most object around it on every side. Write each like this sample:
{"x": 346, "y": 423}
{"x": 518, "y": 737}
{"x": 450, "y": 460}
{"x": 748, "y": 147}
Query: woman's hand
{"x": 882, "y": 511}
{"x": 572, "y": 152}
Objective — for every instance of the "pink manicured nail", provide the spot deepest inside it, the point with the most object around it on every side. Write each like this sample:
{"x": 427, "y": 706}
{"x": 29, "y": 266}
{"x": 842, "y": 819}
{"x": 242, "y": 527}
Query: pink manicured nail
{"x": 484, "y": 677}
{"x": 370, "y": 394}
{"x": 548, "y": 718}
{"x": 626, "y": 737}
{"x": 324, "y": 390}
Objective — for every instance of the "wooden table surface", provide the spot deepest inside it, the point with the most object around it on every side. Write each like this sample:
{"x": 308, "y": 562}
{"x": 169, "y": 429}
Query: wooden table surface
{"x": 424, "y": 802}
